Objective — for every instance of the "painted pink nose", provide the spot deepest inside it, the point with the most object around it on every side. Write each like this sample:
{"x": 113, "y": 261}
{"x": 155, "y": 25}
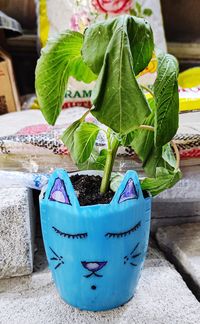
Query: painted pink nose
{"x": 93, "y": 266}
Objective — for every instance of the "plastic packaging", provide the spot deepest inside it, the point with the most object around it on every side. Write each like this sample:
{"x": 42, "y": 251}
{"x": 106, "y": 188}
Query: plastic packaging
{"x": 21, "y": 179}
{"x": 189, "y": 89}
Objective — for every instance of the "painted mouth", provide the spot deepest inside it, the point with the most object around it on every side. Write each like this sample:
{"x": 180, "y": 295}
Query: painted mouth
{"x": 93, "y": 266}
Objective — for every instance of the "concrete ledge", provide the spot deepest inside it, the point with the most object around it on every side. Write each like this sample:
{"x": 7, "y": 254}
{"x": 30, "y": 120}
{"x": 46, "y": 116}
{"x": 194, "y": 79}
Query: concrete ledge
{"x": 180, "y": 204}
{"x": 172, "y": 220}
{"x": 162, "y": 298}
{"x": 16, "y": 232}
{"x": 182, "y": 246}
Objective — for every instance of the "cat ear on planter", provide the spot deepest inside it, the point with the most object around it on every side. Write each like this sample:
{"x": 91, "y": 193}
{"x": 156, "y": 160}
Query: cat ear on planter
{"x": 129, "y": 189}
{"x": 60, "y": 189}
{"x": 59, "y": 193}
{"x": 129, "y": 192}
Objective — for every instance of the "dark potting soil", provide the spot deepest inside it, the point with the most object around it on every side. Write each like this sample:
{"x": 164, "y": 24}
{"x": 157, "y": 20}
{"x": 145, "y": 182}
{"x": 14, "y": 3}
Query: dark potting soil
{"x": 87, "y": 188}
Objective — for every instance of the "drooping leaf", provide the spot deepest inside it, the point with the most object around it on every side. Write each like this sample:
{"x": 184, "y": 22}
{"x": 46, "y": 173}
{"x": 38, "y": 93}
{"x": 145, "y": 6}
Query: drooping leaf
{"x": 152, "y": 156}
{"x": 141, "y": 43}
{"x": 167, "y": 99}
{"x": 84, "y": 140}
{"x": 98, "y": 36}
{"x": 118, "y": 50}
{"x": 68, "y": 136}
{"x": 96, "y": 40}
{"x": 59, "y": 60}
{"x": 164, "y": 180}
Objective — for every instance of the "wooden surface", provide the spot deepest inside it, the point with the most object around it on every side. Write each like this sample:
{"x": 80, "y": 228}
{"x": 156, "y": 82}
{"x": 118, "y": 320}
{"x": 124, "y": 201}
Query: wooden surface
{"x": 181, "y": 20}
{"x": 22, "y": 10}
{"x": 185, "y": 50}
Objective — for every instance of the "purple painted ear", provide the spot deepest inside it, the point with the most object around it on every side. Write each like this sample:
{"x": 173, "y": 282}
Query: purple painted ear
{"x": 129, "y": 192}
{"x": 58, "y": 192}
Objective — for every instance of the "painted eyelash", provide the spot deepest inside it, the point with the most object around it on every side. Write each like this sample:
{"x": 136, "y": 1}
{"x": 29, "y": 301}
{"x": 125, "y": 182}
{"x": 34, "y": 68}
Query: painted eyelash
{"x": 123, "y": 234}
{"x": 73, "y": 236}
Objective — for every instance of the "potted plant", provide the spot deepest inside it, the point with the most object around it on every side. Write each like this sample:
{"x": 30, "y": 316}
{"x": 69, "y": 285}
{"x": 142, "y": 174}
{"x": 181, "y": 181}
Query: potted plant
{"x": 96, "y": 251}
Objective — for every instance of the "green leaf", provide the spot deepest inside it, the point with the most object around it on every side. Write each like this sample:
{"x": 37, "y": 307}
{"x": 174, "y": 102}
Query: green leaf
{"x": 138, "y": 7}
{"x": 163, "y": 181}
{"x": 133, "y": 12}
{"x": 96, "y": 161}
{"x": 167, "y": 99}
{"x": 116, "y": 181}
{"x": 147, "y": 12}
{"x": 96, "y": 40}
{"x": 133, "y": 32}
{"x": 154, "y": 161}
{"x": 68, "y": 136}
{"x": 168, "y": 155}
{"x": 127, "y": 139}
{"x": 160, "y": 172}
{"x": 59, "y": 60}
{"x": 84, "y": 140}
{"x": 136, "y": 137}
{"x": 119, "y": 49}
{"x": 151, "y": 156}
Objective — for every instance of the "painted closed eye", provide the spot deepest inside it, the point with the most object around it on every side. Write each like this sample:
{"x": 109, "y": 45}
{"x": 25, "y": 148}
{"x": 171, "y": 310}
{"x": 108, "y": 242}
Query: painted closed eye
{"x": 123, "y": 234}
{"x": 70, "y": 236}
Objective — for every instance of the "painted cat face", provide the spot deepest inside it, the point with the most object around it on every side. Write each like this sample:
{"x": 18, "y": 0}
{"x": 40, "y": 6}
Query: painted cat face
{"x": 95, "y": 252}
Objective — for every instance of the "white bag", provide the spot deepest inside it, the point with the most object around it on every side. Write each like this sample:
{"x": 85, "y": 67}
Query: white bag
{"x": 57, "y": 16}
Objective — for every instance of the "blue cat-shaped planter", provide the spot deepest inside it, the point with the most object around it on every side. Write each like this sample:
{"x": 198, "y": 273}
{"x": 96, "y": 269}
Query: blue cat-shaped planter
{"x": 96, "y": 252}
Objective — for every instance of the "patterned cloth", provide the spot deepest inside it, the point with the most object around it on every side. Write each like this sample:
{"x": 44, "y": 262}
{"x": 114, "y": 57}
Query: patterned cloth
{"x": 35, "y": 146}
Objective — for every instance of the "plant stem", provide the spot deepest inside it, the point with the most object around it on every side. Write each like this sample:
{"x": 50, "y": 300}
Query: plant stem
{"x": 147, "y": 89}
{"x": 176, "y": 151}
{"x": 147, "y": 127}
{"x": 109, "y": 165}
{"x": 84, "y": 115}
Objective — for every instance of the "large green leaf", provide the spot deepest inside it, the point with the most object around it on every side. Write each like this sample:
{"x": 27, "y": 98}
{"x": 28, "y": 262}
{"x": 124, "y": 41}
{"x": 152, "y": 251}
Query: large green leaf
{"x": 98, "y": 36}
{"x": 84, "y": 140}
{"x": 59, "y": 60}
{"x": 118, "y": 50}
{"x": 167, "y": 99}
{"x": 80, "y": 138}
{"x": 163, "y": 180}
{"x": 153, "y": 157}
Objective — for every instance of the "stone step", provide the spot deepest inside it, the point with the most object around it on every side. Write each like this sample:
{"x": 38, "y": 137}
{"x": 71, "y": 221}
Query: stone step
{"x": 181, "y": 243}
{"x": 162, "y": 297}
{"x": 180, "y": 204}
{"x": 16, "y": 232}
